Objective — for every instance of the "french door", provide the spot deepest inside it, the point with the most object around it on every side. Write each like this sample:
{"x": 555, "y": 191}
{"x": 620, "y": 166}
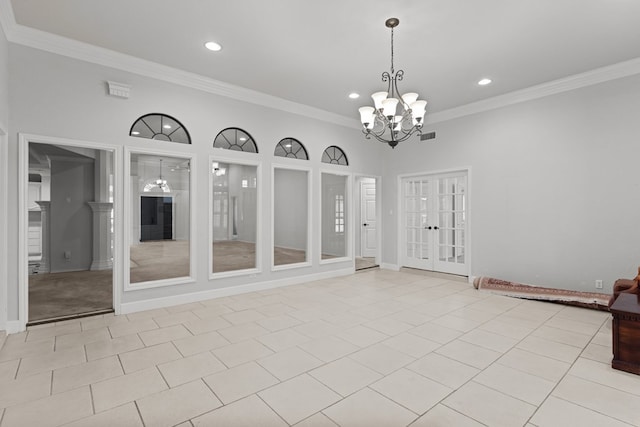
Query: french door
{"x": 434, "y": 223}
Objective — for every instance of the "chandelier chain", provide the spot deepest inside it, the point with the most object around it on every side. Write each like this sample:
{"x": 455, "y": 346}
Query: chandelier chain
{"x": 395, "y": 116}
{"x": 392, "y": 69}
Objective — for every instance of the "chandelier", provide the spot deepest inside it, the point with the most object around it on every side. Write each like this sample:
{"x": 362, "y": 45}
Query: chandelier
{"x": 160, "y": 182}
{"x": 394, "y": 117}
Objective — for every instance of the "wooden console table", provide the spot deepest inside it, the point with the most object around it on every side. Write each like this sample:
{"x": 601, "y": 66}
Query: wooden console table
{"x": 626, "y": 333}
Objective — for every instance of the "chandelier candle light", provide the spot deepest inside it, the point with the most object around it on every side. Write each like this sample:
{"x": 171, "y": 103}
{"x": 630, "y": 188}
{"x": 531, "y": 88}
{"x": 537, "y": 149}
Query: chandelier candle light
{"x": 160, "y": 182}
{"x": 395, "y": 117}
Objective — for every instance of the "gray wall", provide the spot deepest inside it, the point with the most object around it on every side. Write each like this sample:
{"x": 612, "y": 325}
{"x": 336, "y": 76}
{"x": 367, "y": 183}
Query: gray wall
{"x": 4, "y": 80}
{"x": 72, "y": 186}
{"x": 554, "y": 187}
{"x": 61, "y": 97}
{"x": 290, "y": 206}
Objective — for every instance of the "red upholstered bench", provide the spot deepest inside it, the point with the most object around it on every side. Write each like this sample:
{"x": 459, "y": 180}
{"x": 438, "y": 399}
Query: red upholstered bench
{"x": 629, "y": 286}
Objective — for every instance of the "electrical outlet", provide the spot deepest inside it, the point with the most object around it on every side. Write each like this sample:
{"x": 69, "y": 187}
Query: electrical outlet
{"x": 598, "y": 284}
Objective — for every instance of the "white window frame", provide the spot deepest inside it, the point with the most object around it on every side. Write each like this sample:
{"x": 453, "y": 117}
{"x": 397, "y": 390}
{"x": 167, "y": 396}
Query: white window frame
{"x": 259, "y": 215}
{"x": 309, "y": 170}
{"x": 349, "y": 218}
{"x": 128, "y": 286}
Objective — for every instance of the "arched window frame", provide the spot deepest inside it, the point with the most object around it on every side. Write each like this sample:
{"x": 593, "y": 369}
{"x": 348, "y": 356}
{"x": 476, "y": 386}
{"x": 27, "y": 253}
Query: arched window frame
{"x": 162, "y": 128}
{"x": 335, "y": 156}
{"x": 249, "y": 142}
{"x": 291, "y": 150}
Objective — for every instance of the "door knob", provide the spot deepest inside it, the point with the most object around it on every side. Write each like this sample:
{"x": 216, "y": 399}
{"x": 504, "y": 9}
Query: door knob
{"x": 427, "y": 228}
{"x": 436, "y": 228}
{"x": 365, "y": 224}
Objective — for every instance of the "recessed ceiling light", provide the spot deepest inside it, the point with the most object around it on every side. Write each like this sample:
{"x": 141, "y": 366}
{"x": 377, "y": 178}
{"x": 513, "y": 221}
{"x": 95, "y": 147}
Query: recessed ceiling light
{"x": 354, "y": 95}
{"x": 213, "y": 46}
{"x": 484, "y": 82}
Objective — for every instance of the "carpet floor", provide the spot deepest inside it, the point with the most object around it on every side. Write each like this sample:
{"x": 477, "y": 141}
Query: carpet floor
{"x": 58, "y": 295}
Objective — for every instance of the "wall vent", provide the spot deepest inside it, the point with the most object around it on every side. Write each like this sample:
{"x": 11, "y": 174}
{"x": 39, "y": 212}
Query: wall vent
{"x": 427, "y": 136}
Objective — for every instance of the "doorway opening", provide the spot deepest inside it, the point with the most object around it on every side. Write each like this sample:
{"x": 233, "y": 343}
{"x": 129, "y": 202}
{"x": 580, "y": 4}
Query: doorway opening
{"x": 70, "y": 231}
{"x": 156, "y": 218}
{"x": 367, "y": 233}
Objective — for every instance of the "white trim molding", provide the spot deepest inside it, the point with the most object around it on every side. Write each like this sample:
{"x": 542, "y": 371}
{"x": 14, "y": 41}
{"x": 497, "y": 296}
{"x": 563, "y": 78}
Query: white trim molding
{"x": 15, "y": 326}
{"x": 577, "y": 81}
{"x": 259, "y": 214}
{"x": 349, "y": 218}
{"x": 64, "y": 46}
{"x": 310, "y": 217}
{"x": 128, "y": 220}
{"x": 151, "y": 304}
{"x": 387, "y": 266}
{"x": 4, "y": 230}
{"x": 23, "y": 176}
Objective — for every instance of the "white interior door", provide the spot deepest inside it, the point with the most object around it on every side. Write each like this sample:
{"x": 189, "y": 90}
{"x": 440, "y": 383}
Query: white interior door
{"x": 434, "y": 223}
{"x": 368, "y": 223}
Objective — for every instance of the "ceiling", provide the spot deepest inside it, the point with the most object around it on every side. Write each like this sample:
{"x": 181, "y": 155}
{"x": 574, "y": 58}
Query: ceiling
{"x": 317, "y": 52}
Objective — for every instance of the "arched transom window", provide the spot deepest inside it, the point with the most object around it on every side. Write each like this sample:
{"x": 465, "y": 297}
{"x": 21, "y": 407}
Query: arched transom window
{"x": 160, "y": 127}
{"x": 290, "y": 147}
{"x": 235, "y": 139}
{"x": 335, "y": 156}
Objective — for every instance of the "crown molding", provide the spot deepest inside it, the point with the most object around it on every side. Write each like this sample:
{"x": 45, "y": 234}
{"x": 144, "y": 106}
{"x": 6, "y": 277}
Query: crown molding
{"x": 41, "y": 40}
{"x": 53, "y": 43}
{"x": 576, "y": 81}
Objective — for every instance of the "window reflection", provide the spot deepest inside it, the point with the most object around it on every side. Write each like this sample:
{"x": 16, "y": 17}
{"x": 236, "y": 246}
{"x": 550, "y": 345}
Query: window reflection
{"x": 235, "y": 216}
{"x": 160, "y": 218}
{"x": 290, "y": 216}
{"x": 334, "y": 214}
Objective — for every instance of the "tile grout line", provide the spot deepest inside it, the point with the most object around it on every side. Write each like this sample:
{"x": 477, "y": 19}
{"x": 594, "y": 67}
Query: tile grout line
{"x": 557, "y": 383}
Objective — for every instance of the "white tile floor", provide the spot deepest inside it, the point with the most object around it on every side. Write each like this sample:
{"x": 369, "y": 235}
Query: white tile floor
{"x": 377, "y": 348}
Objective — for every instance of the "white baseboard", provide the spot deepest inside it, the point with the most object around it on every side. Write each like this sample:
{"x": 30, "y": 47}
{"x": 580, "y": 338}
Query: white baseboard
{"x": 386, "y": 266}
{"x": 133, "y": 307}
{"x": 14, "y": 326}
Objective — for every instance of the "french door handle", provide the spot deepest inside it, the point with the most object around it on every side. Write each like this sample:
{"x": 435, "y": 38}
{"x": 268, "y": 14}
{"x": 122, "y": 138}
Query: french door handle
{"x": 436, "y": 228}
{"x": 365, "y": 224}
{"x": 428, "y": 228}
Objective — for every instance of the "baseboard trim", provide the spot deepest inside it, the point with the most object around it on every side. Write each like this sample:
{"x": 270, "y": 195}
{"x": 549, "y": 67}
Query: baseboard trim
{"x": 386, "y": 266}
{"x": 133, "y": 307}
{"x": 14, "y": 326}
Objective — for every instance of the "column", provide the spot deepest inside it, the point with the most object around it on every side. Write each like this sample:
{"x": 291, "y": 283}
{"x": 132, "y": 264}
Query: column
{"x": 45, "y": 218}
{"x": 102, "y": 259}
